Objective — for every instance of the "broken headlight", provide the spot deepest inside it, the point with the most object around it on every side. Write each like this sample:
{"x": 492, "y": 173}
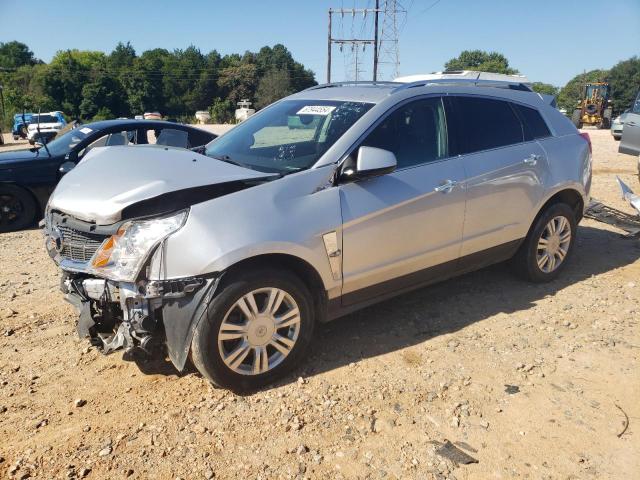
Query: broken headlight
{"x": 122, "y": 255}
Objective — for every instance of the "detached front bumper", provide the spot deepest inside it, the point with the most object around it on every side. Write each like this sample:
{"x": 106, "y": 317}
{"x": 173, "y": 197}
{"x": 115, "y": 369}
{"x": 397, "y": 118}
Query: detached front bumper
{"x": 117, "y": 315}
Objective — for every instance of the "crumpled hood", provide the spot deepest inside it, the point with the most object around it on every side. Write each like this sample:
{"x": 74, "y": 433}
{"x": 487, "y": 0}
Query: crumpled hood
{"x": 110, "y": 179}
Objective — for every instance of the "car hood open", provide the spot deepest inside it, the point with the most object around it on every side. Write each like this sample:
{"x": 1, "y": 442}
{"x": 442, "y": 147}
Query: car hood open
{"x": 112, "y": 179}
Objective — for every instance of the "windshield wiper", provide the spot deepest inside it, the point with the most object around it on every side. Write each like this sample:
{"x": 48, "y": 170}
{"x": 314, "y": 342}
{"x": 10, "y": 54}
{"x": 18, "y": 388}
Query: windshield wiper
{"x": 227, "y": 159}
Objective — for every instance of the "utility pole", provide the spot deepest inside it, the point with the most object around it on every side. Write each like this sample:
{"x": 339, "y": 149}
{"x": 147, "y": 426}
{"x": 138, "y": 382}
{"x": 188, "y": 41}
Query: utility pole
{"x": 375, "y": 42}
{"x": 355, "y": 43}
{"x": 329, "y": 50}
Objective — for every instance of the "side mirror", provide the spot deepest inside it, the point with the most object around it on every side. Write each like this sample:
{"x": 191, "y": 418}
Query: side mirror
{"x": 371, "y": 162}
{"x": 66, "y": 167}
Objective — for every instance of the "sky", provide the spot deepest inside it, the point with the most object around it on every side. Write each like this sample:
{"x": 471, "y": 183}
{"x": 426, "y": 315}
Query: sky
{"x": 546, "y": 40}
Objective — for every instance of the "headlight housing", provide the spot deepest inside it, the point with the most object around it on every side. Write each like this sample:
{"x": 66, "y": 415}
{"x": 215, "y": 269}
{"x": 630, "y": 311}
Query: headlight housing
{"x": 122, "y": 255}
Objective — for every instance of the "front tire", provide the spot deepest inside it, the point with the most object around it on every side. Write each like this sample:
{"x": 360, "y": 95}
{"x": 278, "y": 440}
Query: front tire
{"x": 576, "y": 118}
{"x": 257, "y": 328}
{"x": 17, "y": 208}
{"x": 548, "y": 246}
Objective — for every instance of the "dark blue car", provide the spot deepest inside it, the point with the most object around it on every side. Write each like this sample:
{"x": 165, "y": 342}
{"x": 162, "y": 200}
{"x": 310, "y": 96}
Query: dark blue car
{"x": 27, "y": 177}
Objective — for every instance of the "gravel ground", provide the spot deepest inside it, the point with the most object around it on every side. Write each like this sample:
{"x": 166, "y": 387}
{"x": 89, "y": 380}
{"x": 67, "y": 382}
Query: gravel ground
{"x": 532, "y": 381}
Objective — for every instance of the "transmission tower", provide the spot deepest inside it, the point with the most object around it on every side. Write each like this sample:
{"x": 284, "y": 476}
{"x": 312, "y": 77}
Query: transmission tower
{"x": 383, "y": 38}
{"x": 388, "y": 51}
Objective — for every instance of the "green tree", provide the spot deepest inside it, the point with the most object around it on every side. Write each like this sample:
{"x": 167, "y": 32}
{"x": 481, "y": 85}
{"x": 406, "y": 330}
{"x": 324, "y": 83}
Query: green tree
{"x": 238, "y": 82}
{"x": 221, "y": 111}
{"x": 544, "y": 88}
{"x": 274, "y": 85}
{"x": 145, "y": 85}
{"x": 571, "y": 93}
{"x": 63, "y": 84}
{"x": 482, "y": 61}
{"x": 121, "y": 59}
{"x": 103, "y": 95}
{"x": 624, "y": 79}
{"x": 15, "y": 54}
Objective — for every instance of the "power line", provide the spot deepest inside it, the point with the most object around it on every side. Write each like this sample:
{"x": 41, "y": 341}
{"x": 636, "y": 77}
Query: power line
{"x": 428, "y": 8}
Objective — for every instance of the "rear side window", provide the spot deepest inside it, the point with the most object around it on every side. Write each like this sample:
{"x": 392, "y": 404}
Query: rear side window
{"x": 486, "y": 123}
{"x": 534, "y": 125}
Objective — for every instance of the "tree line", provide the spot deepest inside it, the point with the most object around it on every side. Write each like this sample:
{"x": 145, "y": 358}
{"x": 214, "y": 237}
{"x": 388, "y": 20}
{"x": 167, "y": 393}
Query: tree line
{"x": 90, "y": 85}
{"x": 624, "y": 78}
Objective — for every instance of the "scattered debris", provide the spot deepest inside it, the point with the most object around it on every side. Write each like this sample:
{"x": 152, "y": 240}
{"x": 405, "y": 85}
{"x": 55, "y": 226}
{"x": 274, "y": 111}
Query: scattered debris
{"x": 626, "y": 421}
{"x": 466, "y": 446}
{"x": 79, "y": 402}
{"x": 629, "y": 196}
{"x": 602, "y": 213}
{"x": 105, "y": 451}
{"x": 453, "y": 453}
{"x": 512, "y": 389}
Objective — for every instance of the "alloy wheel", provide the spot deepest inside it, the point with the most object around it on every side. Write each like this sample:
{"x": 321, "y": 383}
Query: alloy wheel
{"x": 553, "y": 244}
{"x": 259, "y": 331}
{"x": 10, "y": 209}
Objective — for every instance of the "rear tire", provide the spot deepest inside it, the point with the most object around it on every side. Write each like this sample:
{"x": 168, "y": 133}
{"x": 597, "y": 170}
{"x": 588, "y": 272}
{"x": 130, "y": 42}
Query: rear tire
{"x": 238, "y": 344}
{"x": 17, "y": 208}
{"x": 548, "y": 246}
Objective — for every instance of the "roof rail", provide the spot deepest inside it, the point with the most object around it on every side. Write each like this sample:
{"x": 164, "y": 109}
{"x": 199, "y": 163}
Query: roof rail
{"x": 355, "y": 83}
{"x": 464, "y": 81}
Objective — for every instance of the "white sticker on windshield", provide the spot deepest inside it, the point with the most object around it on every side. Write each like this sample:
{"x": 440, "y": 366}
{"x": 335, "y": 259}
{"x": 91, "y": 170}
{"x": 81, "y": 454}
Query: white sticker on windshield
{"x": 86, "y": 130}
{"x": 316, "y": 110}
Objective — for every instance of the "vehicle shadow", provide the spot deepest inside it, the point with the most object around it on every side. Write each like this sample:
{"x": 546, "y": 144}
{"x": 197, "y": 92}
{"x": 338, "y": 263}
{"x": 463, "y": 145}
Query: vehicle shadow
{"x": 419, "y": 316}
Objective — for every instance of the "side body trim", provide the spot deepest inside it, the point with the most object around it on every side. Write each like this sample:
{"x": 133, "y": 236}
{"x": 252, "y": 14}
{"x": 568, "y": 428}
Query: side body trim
{"x": 358, "y": 299}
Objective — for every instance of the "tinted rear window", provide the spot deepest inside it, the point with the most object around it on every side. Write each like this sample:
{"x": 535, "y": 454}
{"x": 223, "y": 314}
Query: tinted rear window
{"x": 534, "y": 124}
{"x": 486, "y": 123}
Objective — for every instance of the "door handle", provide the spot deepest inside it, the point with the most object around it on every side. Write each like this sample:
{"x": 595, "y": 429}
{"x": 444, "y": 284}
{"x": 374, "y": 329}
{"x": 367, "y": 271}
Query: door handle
{"x": 630, "y": 124}
{"x": 532, "y": 159}
{"x": 446, "y": 187}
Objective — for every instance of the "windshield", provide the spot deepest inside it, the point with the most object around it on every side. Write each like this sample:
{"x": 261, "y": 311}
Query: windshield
{"x": 288, "y": 136}
{"x": 63, "y": 144}
{"x": 44, "y": 119}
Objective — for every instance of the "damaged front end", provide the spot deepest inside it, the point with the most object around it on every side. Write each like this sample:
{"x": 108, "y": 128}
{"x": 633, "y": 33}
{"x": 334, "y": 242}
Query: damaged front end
{"x": 106, "y": 272}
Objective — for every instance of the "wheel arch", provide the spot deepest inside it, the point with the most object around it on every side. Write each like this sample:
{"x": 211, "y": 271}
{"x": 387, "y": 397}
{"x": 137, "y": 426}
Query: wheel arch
{"x": 569, "y": 196}
{"x": 296, "y": 265}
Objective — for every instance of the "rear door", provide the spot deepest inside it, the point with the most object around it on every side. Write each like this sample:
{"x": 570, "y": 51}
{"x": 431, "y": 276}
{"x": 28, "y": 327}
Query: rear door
{"x": 398, "y": 226}
{"x": 504, "y": 172}
{"x": 630, "y": 142}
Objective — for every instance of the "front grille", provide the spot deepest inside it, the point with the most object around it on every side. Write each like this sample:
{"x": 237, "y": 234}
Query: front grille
{"x": 79, "y": 246}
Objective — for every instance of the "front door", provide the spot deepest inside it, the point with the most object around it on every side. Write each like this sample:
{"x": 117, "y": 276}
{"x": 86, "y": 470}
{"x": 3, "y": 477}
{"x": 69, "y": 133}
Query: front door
{"x": 404, "y": 228}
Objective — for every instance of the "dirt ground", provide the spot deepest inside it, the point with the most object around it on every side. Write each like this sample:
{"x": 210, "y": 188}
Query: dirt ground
{"x": 532, "y": 381}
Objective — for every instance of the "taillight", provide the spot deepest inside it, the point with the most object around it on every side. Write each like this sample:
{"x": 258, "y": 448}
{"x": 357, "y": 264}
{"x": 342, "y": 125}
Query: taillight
{"x": 586, "y": 136}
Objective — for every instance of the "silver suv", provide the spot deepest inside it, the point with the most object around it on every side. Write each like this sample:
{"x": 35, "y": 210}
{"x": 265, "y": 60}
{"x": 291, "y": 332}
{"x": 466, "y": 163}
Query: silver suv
{"x": 329, "y": 200}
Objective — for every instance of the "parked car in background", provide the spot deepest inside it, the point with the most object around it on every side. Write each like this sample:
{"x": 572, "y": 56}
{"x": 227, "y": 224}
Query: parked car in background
{"x": 152, "y": 116}
{"x": 630, "y": 140}
{"x": 618, "y": 124}
{"x": 20, "y": 123}
{"x": 233, "y": 256}
{"x": 43, "y": 127}
{"x": 27, "y": 177}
